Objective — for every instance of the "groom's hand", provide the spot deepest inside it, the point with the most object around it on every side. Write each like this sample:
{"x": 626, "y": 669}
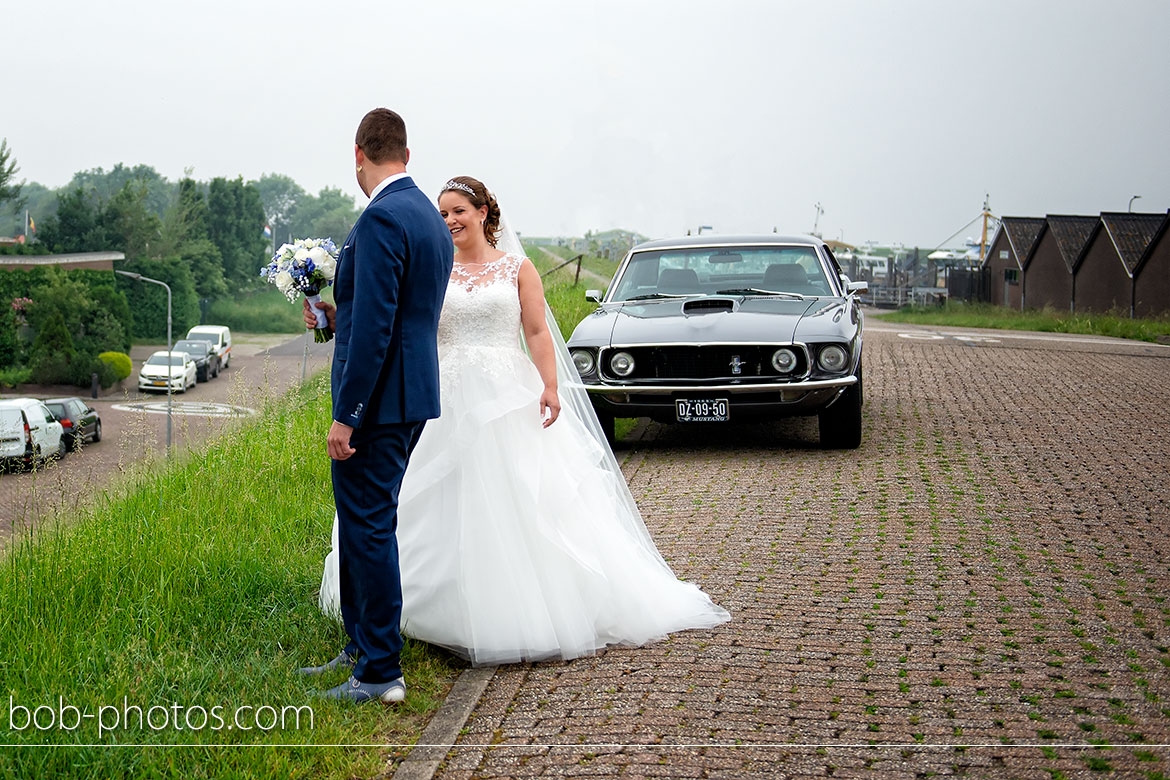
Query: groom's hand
{"x": 338, "y": 441}
{"x": 311, "y": 318}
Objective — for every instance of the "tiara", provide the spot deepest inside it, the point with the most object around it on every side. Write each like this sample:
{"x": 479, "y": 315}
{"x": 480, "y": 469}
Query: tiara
{"x": 458, "y": 185}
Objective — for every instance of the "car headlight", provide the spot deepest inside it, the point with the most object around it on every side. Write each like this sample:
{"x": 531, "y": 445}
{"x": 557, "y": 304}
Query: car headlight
{"x": 622, "y": 363}
{"x": 584, "y": 362}
{"x": 832, "y": 358}
{"x": 784, "y": 360}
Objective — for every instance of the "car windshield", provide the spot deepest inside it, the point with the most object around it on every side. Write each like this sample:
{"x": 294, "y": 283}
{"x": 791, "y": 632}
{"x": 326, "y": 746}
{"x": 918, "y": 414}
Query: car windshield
{"x": 730, "y": 270}
{"x": 161, "y": 360}
{"x": 209, "y": 338}
{"x": 192, "y": 346}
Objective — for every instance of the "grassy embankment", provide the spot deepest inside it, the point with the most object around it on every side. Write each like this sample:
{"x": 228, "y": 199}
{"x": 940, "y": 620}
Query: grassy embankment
{"x": 193, "y": 584}
{"x": 1046, "y": 320}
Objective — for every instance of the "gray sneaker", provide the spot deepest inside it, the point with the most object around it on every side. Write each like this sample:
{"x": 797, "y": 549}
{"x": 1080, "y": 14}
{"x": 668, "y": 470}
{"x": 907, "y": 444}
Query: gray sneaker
{"x": 357, "y": 691}
{"x": 343, "y": 659}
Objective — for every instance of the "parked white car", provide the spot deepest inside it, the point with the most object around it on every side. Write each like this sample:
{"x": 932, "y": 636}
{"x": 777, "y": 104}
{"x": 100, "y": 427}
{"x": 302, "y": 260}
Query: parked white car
{"x": 220, "y": 337}
{"x": 176, "y": 367}
{"x": 28, "y": 432}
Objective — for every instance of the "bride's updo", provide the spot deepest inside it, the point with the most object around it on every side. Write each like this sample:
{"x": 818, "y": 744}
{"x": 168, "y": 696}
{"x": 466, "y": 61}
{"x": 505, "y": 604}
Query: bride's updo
{"x": 475, "y": 191}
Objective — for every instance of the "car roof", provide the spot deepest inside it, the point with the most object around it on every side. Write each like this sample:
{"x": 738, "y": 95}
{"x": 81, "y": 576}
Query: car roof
{"x": 715, "y": 240}
{"x": 18, "y": 402}
{"x": 62, "y": 398}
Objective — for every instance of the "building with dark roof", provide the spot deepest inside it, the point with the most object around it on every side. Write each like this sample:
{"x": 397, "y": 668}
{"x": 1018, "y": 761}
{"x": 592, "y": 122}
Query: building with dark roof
{"x": 1049, "y": 269}
{"x": 1151, "y": 275}
{"x": 1004, "y": 262}
{"x": 1105, "y": 274}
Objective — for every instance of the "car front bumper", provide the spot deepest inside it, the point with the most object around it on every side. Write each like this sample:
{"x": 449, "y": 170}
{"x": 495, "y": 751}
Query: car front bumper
{"x": 160, "y": 383}
{"x": 745, "y": 401}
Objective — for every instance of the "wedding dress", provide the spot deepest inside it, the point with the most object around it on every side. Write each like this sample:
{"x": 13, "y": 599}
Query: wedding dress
{"x": 515, "y": 541}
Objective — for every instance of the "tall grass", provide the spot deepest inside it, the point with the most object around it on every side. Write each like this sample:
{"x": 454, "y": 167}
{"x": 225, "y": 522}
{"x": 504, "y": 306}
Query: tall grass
{"x": 263, "y": 311}
{"x": 194, "y": 586}
{"x": 983, "y": 315}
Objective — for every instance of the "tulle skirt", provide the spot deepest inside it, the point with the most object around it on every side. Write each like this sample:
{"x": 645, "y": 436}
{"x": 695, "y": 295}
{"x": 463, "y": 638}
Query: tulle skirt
{"x": 515, "y": 541}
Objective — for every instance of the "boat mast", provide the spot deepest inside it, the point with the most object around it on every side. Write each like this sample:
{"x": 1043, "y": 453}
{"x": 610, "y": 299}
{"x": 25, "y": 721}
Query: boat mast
{"x": 983, "y": 240}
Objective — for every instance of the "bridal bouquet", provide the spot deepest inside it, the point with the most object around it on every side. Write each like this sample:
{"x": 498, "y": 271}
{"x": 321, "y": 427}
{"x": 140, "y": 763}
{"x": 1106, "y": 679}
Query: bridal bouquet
{"x": 304, "y": 267}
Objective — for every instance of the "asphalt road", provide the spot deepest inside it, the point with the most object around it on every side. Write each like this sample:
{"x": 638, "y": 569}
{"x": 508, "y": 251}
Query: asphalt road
{"x": 261, "y": 366}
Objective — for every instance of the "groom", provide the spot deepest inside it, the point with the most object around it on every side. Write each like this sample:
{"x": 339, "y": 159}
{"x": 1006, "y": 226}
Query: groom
{"x": 391, "y": 276}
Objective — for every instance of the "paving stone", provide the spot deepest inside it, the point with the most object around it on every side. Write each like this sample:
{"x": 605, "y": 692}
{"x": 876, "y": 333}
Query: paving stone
{"x": 990, "y": 570}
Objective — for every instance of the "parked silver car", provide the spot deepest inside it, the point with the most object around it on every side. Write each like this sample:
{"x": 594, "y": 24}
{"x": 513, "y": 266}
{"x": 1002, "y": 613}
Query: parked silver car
{"x": 718, "y": 328}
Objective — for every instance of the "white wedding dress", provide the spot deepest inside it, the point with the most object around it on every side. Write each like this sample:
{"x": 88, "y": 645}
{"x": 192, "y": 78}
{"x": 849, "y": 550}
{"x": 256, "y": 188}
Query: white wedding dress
{"x": 515, "y": 542}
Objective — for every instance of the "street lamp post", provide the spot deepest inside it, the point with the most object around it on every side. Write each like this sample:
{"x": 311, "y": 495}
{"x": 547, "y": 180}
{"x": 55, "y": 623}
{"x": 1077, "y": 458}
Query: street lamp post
{"x": 1131, "y": 200}
{"x": 141, "y": 278}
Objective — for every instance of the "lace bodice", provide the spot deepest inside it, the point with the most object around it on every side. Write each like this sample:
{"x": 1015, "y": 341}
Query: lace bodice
{"x": 482, "y": 306}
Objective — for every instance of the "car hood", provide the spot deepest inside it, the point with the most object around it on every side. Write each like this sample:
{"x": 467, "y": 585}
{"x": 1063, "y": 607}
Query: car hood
{"x": 161, "y": 371}
{"x": 679, "y": 320}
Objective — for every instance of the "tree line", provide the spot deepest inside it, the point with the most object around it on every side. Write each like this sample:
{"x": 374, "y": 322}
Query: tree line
{"x": 206, "y": 239}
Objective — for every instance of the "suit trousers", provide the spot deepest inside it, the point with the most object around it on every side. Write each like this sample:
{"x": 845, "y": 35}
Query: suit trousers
{"x": 365, "y": 490}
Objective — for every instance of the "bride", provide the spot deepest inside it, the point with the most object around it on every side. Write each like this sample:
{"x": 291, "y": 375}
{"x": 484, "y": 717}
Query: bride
{"x": 518, "y": 537}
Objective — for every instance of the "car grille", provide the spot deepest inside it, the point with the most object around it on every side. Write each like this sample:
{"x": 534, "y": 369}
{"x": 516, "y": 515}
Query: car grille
{"x": 728, "y": 362}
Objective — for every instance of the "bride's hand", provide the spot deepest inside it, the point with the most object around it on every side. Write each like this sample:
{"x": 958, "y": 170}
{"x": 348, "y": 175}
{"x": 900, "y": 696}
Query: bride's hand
{"x": 550, "y": 406}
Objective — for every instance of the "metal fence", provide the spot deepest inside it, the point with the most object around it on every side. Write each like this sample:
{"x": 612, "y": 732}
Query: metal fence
{"x": 972, "y": 286}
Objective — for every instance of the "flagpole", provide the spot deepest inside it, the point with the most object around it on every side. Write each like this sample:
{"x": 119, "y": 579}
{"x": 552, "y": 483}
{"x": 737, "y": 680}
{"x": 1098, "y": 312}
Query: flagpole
{"x": 26, "y": 236}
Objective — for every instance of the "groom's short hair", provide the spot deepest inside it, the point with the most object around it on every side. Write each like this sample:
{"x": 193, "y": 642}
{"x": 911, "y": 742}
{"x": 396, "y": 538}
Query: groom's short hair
{"x": 382, "y": 136}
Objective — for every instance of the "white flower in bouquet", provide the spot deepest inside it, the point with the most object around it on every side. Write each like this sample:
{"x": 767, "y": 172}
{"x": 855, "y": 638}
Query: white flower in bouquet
{"x": 284, "y": 283}
{"x": 324, "y": 261}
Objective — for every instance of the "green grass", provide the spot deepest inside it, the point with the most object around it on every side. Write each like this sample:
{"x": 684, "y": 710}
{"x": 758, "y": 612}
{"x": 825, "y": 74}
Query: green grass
{"x": 981, "y": 315}
{"x": 195, "y": 584}
{"x": 264, "y": 311}
{"x": 598, "y": 265}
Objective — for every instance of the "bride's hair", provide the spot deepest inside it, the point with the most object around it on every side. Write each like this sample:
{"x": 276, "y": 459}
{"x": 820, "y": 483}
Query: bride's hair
{"x": 475, "y": 191}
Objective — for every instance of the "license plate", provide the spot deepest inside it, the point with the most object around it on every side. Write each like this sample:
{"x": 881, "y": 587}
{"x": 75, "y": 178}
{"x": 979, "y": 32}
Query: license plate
{"x": 159, "y": 384}
{"x": 701, "y": 409}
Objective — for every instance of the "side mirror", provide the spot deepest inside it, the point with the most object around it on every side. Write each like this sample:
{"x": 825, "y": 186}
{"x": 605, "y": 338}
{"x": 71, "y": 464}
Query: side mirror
{"x": 593, "y": 295}
{"x": 857, "y": 287}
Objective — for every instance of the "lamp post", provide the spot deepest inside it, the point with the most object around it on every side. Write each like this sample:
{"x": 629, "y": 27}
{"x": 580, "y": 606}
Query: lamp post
{"x": 1131, "y": 200}
{"x": 141, "y": 278}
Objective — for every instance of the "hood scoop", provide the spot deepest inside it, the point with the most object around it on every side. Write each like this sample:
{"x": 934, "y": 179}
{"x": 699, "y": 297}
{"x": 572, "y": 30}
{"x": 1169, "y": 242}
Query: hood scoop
{"x": 708, "y": 305}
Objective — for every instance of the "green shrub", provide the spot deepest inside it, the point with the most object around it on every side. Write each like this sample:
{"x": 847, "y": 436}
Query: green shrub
{"x": 9, "y": 343}
{"x": 120, "y": 362}
{"x": 81, "y": 372}
{"x": 11, "y": 377}
{"x": 53, "y": 353}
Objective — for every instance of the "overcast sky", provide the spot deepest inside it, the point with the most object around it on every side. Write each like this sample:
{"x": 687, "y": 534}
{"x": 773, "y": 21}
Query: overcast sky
{"x": 656, "y": 116}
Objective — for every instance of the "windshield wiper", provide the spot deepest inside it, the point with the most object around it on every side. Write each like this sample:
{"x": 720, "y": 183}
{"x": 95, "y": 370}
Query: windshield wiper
{"x": 657, "y": 296}
{"x": 755, "y": 291}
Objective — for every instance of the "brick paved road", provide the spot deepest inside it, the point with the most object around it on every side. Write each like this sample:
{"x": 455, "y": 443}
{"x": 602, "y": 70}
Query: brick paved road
{"x": 989, "y": 569}
{"x": 261, "y": 366}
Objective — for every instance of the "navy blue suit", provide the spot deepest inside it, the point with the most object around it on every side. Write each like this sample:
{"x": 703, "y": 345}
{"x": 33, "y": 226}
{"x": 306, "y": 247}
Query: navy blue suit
{"x": 391, "y": 277}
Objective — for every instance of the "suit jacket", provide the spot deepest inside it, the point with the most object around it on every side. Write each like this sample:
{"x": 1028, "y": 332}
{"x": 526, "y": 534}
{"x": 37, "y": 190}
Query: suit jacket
{"x": 391, "y": 277}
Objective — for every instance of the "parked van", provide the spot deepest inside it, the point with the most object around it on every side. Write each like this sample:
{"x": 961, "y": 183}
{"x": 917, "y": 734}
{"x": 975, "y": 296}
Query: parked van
{"x": 220, "y": 337}
{"x": 28, "y": 431}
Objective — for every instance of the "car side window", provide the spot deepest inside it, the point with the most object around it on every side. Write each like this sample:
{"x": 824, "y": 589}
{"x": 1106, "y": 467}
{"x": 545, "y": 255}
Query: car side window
{"x": 48, "y": 415}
